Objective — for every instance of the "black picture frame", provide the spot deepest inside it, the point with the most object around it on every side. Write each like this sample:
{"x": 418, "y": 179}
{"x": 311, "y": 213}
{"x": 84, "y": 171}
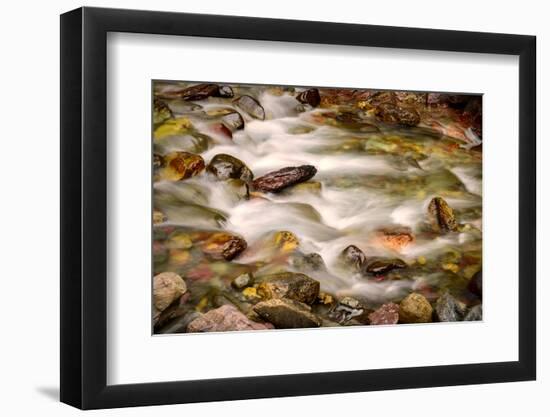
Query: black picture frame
{"x": 84, "y": 207}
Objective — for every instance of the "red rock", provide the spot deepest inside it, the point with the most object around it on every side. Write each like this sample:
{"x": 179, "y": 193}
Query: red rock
{"x": 386, "y": 314}
{"x": 224, "y": 319}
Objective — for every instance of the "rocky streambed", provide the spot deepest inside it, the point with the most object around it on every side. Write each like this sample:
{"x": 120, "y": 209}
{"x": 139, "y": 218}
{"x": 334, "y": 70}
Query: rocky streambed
{"x": 285, "y": 207}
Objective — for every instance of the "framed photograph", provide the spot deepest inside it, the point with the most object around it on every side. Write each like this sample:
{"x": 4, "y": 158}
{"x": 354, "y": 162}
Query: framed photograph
{"x": 258, "y": 208}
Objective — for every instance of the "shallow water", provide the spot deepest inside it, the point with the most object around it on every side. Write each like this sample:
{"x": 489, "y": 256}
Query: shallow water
{"x": 369, "y": 180}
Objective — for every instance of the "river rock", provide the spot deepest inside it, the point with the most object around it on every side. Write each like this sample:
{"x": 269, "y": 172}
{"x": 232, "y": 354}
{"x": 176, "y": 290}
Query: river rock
{"x": 476, "y": 284}
{"x": 287, "y": 314}
{"x": 199, "y": 92}
{"x": 167, "y": 287}
{"x": 242, "y": 281}
{"x": 251, "y": 106}
{"x": 290, "y": 285}
{"x": 158, "y": 217}
{"x": 310, "y": 97}
{"x": 441, "y": 216}
{"x": 182, "y": 165}
{"x": 383, "y": 266}
{"x": 393, "y": 114}
{"x": 222, "y": 245}
{"x": 310, "y": 261}
{"x": 395, "y": 238}
{"x": 285, "y": 241}
{"x": 474, "y": 314}
{"x": 448, "y": 308}
{"x": 415, "y": 308}
{"x": 347, "y": 309}
{"x": 161, "y": 111}
{"x": 386, "y": 314}
{"x": 233, "y": 121}
{"x": 353, "y": 257}
{"x": 277, "y": 181}
{"x": 225, "y": 166}
{"x": 308, "y": 187}
{"x": 225, "y": 91}
{"x": 223, "y": 319}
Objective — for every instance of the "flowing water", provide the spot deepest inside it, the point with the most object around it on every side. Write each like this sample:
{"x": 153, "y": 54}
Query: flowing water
{"x": 372, "y": 176}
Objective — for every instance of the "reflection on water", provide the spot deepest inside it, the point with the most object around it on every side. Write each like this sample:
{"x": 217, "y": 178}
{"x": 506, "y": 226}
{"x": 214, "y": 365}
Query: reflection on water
{"x": 380, "y": 159}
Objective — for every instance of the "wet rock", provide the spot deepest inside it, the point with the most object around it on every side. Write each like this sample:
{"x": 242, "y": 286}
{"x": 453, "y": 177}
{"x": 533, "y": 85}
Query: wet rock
{"x": 182, "y": 107}
{"x": 182, "y": 165}
{"x": 353, "y": 257}
{"x": 415, "y": 308}
{"x": 225, "y": 91}
{"x": 287, "y": 314}
{"x": 189, "y": 142}
{"x": 448, "y": 308}
{"x": 233, "y": 121}
{"x": 395, "y": 238}
{"x": 225, "y": 166}
{"x": 223, "y": 245}
{"x": 199, "y": 92}
{"x": 285, "y": 241}
{"x": 307, "y": 262}
{"x": 310, "y": 97}
{"x": 386, "y": 314}
{"x": 251, "y": 106}
{"x": 383, "y": 266}
{"x": 242, "y": 281}
{"x": 161, "y": 111}
{"x": 475, "y": 285}
{"x": 223, "y": 319}
{"x": 441, "y": 216}
{"x": 392, "y": 114}
{"x": 474, "y": 314}
{"x": 277, "y": 181}
{"x": 167, "y": 287}
{"x": 348, "y": 308}
{"x": 290, "y": 285}
{"x": 158, "y": 217}
{"x": 239, "y": 189}
{"x": 158, "y": 161}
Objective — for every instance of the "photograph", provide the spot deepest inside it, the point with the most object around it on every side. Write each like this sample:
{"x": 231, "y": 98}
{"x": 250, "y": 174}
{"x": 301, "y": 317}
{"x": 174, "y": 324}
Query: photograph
{"x": 292, "y": 207}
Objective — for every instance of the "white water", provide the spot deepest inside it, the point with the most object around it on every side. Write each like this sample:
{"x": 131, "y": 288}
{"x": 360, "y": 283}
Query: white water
{"x": 337, "y": 217}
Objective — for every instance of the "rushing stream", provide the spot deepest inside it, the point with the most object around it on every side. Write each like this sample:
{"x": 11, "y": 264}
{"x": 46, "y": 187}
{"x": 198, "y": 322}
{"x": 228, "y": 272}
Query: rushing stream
{"x": 236, "y": 244}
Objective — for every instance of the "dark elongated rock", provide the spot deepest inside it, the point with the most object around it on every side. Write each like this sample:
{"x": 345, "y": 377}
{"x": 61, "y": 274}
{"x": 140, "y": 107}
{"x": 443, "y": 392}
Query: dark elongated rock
{"x": 298, "y": 287}
{"x": 474, "y": 314}
{"x": 353, "y": 257}
{"x": 390, "y": 113}
{"x": 233, "y": 121}
{"x": 250, "y": 106}
{"x": 225, "y": 166}
{"x": 287, "y": 314}
{"x": 448, "y": 308}
{"x": 383, "y": 266}
{"x": 200, "y": 92}
{"x": 276, "y": 181}
{"x": 441, "y": 216}
{"x": 310, "y": 97}
{"x": 386, "y": 314}
{"x": 476, "y": 284}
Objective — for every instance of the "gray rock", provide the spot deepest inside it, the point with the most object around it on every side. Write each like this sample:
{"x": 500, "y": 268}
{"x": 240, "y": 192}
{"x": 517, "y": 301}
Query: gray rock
{"x": 251, "y": 106}
{"x": 474, "y": 314}
{"x": 242, "y": 281}
{"x": 224, "y": 167}
{"x": 448, "y": 308}
{"x": 233, "y": 121}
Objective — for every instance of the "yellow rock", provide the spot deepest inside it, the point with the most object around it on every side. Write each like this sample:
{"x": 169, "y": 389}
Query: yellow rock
{"x": 202, "y": 304}
{"x": 287, "y": 241}
{"x": 450, "y": 267}
{"x": 421, "y": 260}
{"x": 250, "y": 292}
{"x": 172, "y": 127}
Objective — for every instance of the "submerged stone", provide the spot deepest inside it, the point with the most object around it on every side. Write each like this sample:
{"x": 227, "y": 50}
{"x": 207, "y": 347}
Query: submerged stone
{"x": 393, "y": 114}
{"x": 383, "y": 266}
{"x": 182, "y": 165}
{"x": 251, "y": 106}
{"x": 223, "y": 245}
{"x": 353, "y": 257}
{"x": 225, "y": 166}
{"x": 441, "y": 216}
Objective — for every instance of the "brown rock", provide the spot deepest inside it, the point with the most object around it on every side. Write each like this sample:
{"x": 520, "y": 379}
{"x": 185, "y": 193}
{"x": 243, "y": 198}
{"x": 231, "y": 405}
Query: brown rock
{"x": 383, "y": 266}
{"x": 167, "y": 287}
{"x": 390, "y": 113}
{"x": 225, "y": 166}
{"x": 476, "y": 284}
{"x": 441, "y": 216}
{"x": 224, "y": 246}
{"x": 415, "y": 308}
{"x": 353, "y": 257}
{"x": 310, "y": 97}
{"x": 182, "y": 165}
{"x": 224, "y": 319}
{"x": 387, "y": 314}
{"x": 277, "y": 181}
{"x": 287, "y": 314}
{"x": 290, "y": 285}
